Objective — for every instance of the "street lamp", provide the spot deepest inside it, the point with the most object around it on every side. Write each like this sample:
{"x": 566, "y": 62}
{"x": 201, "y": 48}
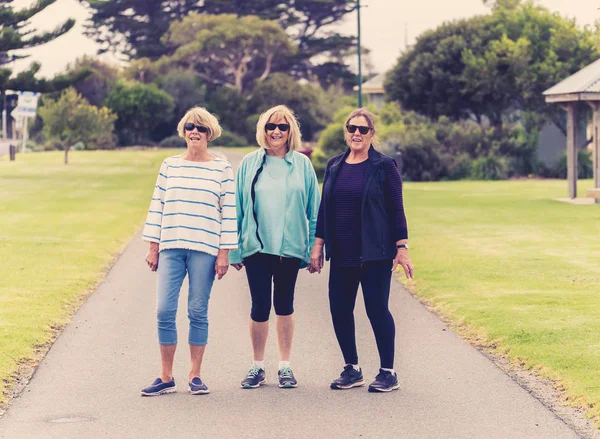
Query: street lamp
{"x": 360, "y": 104}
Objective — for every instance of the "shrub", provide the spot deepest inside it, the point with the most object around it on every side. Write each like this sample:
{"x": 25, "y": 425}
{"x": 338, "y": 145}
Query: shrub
{"x": 229, "y": 139}
{"x": 141, "y": 108}
{"x": 489, "y": 168}
{"x": 173, "y": 142}
{"x": 319, "y": 161}
{"x": 585, "y": 168}
{"x": 418, "y": 154}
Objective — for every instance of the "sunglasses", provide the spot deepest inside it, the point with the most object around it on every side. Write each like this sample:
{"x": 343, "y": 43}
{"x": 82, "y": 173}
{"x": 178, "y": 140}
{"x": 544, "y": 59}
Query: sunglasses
{"x": 361, "y": 129}
{"x": 282, "y": 126}
{"x": 190, "y": 127}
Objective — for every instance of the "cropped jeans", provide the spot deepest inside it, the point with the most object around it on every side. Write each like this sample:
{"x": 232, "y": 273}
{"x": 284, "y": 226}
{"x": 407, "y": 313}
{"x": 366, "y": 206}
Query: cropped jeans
{"x": 173, "y": 265}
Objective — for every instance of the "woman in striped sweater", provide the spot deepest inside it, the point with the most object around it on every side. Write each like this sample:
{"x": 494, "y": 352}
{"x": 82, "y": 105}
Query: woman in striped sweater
{"x": 191, "y": 227}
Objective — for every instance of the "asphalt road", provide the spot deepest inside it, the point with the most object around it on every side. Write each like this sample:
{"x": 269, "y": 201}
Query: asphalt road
{"x": 88, "y": 384}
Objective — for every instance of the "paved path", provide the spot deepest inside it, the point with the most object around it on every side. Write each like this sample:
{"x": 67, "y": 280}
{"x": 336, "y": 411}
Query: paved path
{"x": 88, "y": 384}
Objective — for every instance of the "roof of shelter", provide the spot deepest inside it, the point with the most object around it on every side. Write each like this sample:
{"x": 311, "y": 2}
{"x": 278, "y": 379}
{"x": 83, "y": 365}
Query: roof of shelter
{"x": 373, "y": 85}
{"x": 583, "y": 85}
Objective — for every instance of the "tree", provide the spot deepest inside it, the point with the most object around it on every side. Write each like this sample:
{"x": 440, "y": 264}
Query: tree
{"x": 224, "y": 49}
{"x": 186, "y": 89}
{"x": 71, "y": 119}
{"x": 16, "y": 33}
{"x": 494, "y": 66}
{"x": 141, "y": 109}
{"x": 135, "y": 28}
{"x": 303, "y": 99}
{"x": 98, "y": 84}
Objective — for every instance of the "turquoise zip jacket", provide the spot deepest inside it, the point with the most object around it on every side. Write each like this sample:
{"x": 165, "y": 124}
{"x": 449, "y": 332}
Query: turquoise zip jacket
{"x": 300, "y": 210}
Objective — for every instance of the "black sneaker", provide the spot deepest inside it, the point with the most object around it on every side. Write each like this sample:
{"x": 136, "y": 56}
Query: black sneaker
{"x": 255, "y": 377}
{"x": 286, "y": 378}
{"x": 349, "y": 378}
{"x": 385, "y": 381}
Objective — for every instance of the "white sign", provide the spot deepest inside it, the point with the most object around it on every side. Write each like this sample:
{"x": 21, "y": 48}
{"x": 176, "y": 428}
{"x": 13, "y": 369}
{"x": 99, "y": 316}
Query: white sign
{"x": 26, "y": 105}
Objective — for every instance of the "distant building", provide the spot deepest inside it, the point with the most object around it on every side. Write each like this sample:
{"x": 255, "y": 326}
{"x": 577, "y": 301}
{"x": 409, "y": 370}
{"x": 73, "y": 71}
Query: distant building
{"x": 373, "y": 90}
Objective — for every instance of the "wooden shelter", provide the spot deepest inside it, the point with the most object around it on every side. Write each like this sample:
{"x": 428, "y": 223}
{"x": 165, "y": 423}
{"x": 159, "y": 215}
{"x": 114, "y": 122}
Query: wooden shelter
{"x": 583, "y": 86}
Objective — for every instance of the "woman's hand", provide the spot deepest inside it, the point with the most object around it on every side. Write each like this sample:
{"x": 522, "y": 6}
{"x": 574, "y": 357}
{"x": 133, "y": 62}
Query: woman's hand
{"x": 238, "y": 267}
{"x": 403, "y": 259}
{"x": 152, "y": 256}
{"x": 316, "y": 257}
{"x": 222, "y": 263}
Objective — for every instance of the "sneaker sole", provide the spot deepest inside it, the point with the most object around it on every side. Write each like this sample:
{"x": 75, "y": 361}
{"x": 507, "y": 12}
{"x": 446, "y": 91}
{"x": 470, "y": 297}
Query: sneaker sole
{"x": 288, "y": 386}
{"x": 356, "y": 384}
{"x": 248, "y": 386}
{"x": 160, "y": 392}
{"x": 389, "y": 389}
{"x": 199, "y": 392}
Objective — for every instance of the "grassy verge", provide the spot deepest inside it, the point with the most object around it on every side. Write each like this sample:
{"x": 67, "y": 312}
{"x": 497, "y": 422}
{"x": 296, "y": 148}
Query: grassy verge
{"x": 60, "y": 228}
{"x": 514, "y": 270}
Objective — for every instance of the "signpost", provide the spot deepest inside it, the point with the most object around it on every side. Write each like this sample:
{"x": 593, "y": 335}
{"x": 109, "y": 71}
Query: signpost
{"x": 26, "y": 108}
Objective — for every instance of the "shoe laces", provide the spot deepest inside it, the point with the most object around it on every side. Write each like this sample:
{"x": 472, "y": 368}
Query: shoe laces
{"x": 347, "y": 371}
{"x": 253, "y": 373}
{"x": 286, "y": 372}
{"x": 381, "y": 376}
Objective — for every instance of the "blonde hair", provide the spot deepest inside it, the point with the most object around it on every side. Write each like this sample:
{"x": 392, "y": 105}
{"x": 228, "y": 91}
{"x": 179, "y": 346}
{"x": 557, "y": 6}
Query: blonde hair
{"x": 200, "y": 116}
{"x": 294, "y": 138}
{"x": 364, "y": 112}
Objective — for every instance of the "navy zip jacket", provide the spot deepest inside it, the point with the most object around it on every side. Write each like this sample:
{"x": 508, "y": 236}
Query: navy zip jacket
{"x": 383, "y": 222}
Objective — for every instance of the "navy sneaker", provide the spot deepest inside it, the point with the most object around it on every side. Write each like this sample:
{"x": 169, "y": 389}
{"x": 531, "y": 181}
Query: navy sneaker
{"x": 197, "y": 387}
{"x": 158, "y": 387}
{"x": 255, "y": 377}
{"x": 286, "y": 378}
{"x": 385, "y": 381}
{"x": 349, "y": 378}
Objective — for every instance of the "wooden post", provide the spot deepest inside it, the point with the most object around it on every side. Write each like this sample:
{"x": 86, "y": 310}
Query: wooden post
{"x": 571, "y": 149}
{"x": 596, "y": 148}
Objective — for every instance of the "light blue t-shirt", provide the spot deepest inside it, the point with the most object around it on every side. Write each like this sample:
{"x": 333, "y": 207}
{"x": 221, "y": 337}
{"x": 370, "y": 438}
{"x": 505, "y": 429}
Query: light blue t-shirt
{"x": 271, "y": 189}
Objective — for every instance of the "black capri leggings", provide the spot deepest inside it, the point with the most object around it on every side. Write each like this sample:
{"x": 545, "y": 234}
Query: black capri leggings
{"x": 262, "y": 271}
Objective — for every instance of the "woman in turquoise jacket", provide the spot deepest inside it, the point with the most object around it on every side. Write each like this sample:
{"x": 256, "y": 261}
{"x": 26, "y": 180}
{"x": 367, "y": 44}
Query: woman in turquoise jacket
{"x": 277, "y": 207}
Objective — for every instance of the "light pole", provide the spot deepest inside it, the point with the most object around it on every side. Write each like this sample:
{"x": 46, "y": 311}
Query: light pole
{"x": 360, "y": 104}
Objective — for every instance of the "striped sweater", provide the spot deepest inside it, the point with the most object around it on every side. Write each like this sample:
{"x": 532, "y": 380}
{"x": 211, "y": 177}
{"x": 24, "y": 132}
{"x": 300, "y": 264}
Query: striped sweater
{"x": 193, "y": 206}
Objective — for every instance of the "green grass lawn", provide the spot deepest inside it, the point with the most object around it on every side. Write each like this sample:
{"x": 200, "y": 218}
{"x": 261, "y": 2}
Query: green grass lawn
{"x": 60, "y": 228}
{"x": 514, "y": 269}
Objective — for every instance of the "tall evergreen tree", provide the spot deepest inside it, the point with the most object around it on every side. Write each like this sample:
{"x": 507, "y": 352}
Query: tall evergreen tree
{"x": 134, "y": 27}
{"x": 15, "y": 34}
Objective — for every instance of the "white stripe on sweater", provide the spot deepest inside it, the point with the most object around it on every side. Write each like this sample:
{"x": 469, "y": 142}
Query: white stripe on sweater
{"x": 193, "y": 206}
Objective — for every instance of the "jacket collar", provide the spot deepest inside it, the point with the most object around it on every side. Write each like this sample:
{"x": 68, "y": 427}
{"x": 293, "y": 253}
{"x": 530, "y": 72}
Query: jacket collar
{"x": 374, "y": 156}
{"x": 288, "y": 156}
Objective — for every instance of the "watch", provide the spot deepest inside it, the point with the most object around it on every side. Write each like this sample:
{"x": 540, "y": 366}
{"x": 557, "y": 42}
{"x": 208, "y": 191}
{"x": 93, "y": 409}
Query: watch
{"x": 402, "y": 246}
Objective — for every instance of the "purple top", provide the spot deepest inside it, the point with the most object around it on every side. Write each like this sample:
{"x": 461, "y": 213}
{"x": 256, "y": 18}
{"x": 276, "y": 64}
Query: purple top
{"x": 347, "y": 202}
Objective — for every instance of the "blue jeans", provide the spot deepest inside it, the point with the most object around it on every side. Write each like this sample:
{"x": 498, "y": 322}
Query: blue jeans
{"x": 173, "y": 264}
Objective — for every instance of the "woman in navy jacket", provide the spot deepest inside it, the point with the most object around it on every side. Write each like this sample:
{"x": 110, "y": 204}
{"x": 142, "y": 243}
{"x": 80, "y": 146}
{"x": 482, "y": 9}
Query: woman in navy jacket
{"x": 362, "y": 226}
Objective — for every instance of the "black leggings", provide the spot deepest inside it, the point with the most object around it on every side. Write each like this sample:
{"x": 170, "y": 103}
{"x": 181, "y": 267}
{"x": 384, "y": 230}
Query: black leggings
{"x": 375, "y": 278}
{"x": 262, "y": 271}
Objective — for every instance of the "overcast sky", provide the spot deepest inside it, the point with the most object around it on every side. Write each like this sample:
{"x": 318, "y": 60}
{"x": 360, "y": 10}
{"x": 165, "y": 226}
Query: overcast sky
{"x": 384, "y": 26}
